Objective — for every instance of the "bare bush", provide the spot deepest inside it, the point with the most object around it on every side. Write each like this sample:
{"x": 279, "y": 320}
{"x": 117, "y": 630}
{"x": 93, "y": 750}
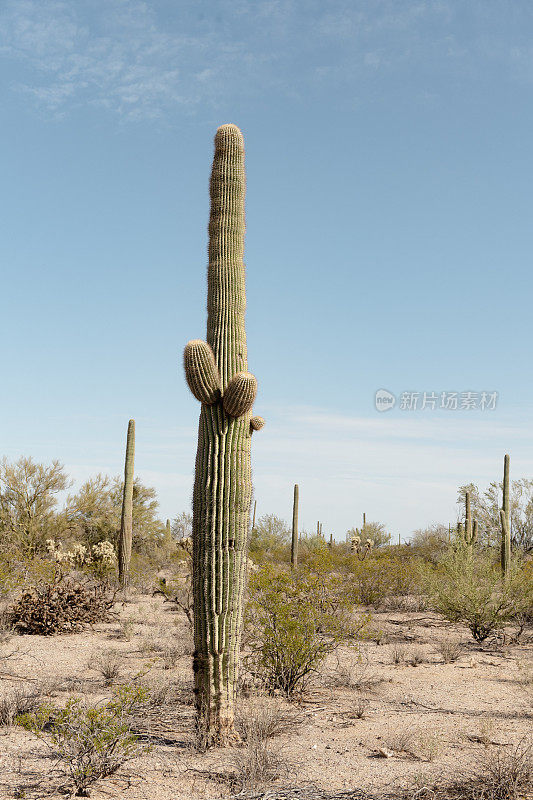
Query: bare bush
{"x": 258, "y": 763}
{"x": 416, "y": 657}
{"x": 266, "y": 719}
{"x": 16, "y": 702}
{"x": 400, "y": 653}
{"x": 501, "y": 774}
{"x": 109, "y": 665}
{"x": 450, "y": 650}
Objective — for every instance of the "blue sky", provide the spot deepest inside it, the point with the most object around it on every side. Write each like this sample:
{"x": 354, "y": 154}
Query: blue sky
{"x": 389, "y": 240}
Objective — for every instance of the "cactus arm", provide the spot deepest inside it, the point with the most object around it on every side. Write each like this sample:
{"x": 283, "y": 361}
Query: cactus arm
{"x": 126, "y": 520}
{"x": 201, "y": 371}
{"x": 239, "y": 394}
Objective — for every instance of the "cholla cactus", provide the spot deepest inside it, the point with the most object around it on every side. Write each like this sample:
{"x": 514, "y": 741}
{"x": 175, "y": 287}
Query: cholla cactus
{"x": 360, "y": 549}
{"x": 355, "y": 543}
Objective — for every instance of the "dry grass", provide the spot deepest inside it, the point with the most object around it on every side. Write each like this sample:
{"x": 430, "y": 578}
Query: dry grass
{"x": 263, "y": 718}
{"x": 258, "y": 763}
{"x": 420, "y": 744}
{"x": 109, "y": 665}
{"x": 416, "y": 657}
{"x": 355, "y": 673}
{"x": 399, "y": 653}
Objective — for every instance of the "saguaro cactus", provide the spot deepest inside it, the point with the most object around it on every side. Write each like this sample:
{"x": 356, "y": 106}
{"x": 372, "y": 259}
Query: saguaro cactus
{"x": 216, "y": 372}
{"x": 126, "y": 520}
{"x": 168, "y": 534}
{"x": 471, "y": 527}
{"x": 505, "y": 520}
{"x": 294, "y": 542}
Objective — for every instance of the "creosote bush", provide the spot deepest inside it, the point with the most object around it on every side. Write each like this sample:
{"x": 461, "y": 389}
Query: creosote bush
{"x": 468, "y": 587}
{"x": 293, "y": 621}
{"x": 91, "y": 742}
{"x": 61, "y": 606}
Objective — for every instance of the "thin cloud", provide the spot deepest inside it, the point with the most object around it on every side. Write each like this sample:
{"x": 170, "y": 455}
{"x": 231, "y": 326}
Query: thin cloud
{"x": 130, "y": 59}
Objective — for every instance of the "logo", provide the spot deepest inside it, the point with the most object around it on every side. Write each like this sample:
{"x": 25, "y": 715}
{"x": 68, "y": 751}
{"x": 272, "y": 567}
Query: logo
{"x": 384, "y": 400}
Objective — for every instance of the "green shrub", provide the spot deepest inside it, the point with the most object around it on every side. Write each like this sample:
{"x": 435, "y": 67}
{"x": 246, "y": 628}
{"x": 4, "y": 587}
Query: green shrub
{"x": 293, "y": 621}
{"x": 382, "y": 575}
{"x": 91, "y": 742}
{"x": 468, "y": 587}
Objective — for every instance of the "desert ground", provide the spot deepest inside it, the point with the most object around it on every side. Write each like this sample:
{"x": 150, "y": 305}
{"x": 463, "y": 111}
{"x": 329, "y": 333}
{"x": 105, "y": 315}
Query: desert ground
{"x": 418, "y": 702}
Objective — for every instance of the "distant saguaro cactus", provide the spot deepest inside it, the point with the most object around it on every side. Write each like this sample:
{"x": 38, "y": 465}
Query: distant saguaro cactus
{"x": 216, "y": 372}
{"x": 168, "y": 534}
{"x": 470, "y": 527}
{"x": 505, "y": 520}
{"x": 126, "y": 520}
{"x": 294, "y": 541}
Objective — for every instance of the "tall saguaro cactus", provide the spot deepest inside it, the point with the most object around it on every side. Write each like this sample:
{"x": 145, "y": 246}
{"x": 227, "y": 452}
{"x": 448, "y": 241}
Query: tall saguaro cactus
{"x": 505, "y": 520}
{"x": 126, "y": 520}
{"x": 216, "y": 372}
{"x": 294, "y": 542}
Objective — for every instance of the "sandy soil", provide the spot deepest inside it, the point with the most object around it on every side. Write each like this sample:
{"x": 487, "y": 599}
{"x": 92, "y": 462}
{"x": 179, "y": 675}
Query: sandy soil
{"x": 367, "y": 723}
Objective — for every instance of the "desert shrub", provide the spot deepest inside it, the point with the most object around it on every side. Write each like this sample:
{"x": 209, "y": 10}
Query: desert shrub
{"x": 91, "y": 742}
{"x": 179, "y": 591}
{"x": 61, "y": 606}
{"x": 18, "y": 573}
{"x": 383, "y": 575}
{"x": 293, "y": 621}
{"x": 468, "y": 588}
{"x": 270, "y": 540}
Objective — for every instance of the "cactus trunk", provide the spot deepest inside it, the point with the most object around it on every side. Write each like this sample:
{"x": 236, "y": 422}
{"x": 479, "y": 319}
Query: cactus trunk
{"x": 223, "y": 484}
{"x": 505, "y": 520}
{"x": 294, "y": 542}
{"x": 126, "y": 520}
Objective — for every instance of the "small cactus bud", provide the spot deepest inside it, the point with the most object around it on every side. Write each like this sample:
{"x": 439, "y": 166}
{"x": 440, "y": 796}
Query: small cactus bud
{"x": 256, "y": 423}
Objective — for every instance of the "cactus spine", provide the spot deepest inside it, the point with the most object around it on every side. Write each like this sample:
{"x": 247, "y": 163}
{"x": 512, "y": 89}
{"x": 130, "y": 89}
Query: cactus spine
{"x": 294, "y": 541}
{"x": 126, "y": 520}
{"x": 505, "y": 520}
{"x": 223, "y": 484}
